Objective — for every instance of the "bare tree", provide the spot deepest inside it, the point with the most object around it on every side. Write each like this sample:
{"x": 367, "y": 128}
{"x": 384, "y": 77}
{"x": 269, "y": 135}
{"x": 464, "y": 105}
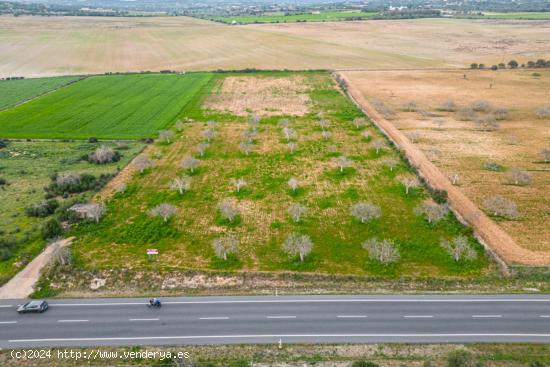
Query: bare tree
{"x": 545, "y": 154}
{"x": 164, "y": 210}
{"x": 511, "y": 140}
{"x": 142, "y": 163}
{"x": 543, "y": 112}
{"x": 481, "y": 106}
{"x": 254, "y": 121}
{"x": 297, "y": 211}
{"x": 246, "y": 147}
{"x": 433, "y": 211}
{"x": 384, "y": 109}
{"x": 290, "y": 134}
{"x": 324, "y": 124}
{"x": 62, "y": 256}
{"x": 366, "y": 135}
{"x": 343, "y": 162}
{"x": 297, "y": 244}
{"x": 201, "y": 148}
{"x": 359, "y": 122}
{"x": 378, "y": 145}
{"x": 501, "y": 207}
{"x": 501, "y": 113}
{"x": 121, "y": 188}
{"x": 95, "y": 211}
{"x": 239, "y": 183}
{"x": 439, "y": 122}
{"x": 459, "y": 248}
{"x": 225, "y": 245}
{"x": 191, "y": 163}
{"x": 284, "y": 123}
{"x": 486, "y": 123}
{"x": 383, "y": 251}
{"x": 391, "y": 163}
{"x": 166, "y": 135}
{"x": 103, "y": 155}
{"x": 519, "y": 177}
{"x": 448, "y": 106}
{"x": 181, "y": 184}
{"x": 413, "y": 136}
{"x": 211, "y": 124}
{"x": 293, "y": 183}
{"x": 228, "y": 209}
{"x": 410, "y": 182}
{"x": 208, "y": 134}
{"x": 326, "y": 134}
{"x": 410, "y": 106}
{"x": 250, "y": 135}
{"x": 179, "y": 125}
{"x": 292, "y": 146}
{"x": 365, "y": 211}
{"x": 67, "y": 178}
{"x": 465, "y": 114}
{"x": 455, "y": 178}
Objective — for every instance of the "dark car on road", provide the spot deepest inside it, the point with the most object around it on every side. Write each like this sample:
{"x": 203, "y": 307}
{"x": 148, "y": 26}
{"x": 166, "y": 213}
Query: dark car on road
{"x": 33, "y": 306}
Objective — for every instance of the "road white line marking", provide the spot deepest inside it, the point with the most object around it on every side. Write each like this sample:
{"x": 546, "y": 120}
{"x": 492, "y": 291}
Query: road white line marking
{"x": 351, "y": 316}
{"x": 544, "y": 316}
{"x": 214, "y": 318}
{"x": 277, "y": 337}
{"x": 281, "y": 317}
{"x": 5, "y": 306}
{"x": 8, "y": 322}
{"x": 302, "y": 301}
{"x": 73, "y": 320}
{"x": 486, "y": 316}
{"x": 143, "y": 319}
{"x": 418, "y": 316}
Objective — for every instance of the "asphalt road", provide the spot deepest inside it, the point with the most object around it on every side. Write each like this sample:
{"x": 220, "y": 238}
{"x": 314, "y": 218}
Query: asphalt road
{"x": 311, "y": 319}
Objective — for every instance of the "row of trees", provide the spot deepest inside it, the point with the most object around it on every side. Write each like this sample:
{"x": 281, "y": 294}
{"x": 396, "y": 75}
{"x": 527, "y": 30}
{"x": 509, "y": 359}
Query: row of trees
{"x": 513, "y": 64}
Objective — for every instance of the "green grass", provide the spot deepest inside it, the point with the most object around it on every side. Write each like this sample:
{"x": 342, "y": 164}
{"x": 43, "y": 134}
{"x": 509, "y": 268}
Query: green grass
{"x": 329, "y": 16}
{"x": 108, "y": 107}
{"x": 122, "y": 237}
{"x": 13, "y": 92}
{"x": 27, "y": 167}
{"x": 518, "y": 15}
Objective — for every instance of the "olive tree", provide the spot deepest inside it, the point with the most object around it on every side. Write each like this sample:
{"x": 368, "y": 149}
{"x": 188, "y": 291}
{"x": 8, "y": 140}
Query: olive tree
{"x": 284, "y": 123}
{"x": 366, "y": 135}
{"x": 225, "y": 245}
{"x": 501, "y": 207}
{"x": 297, "y": 244}
{"x": 543, "y": 112}
{"x": 239, "y": 183}
{"x": 481, "y": 105}
{"x": 326, "y": 134}
{"x": 292, "y": 147}
{"x": 95, "y": 211}
{"x": 142, "y": 163}
{"x": 365, "y": 212}
{"x": 254, "y": 121}
{"x": 228, "y": 209}
{"x": 67, "y": 178}
{"x": 459, "y": 248}
{"x": 179, "y": 125}
{"x": 166, "y": 135}
{"x": 324, "y": 124}
{"x": 190, "y": 163}
{"x": 246, "y": 147}
{"x": 343, "y": 162}
{"x": 383, "y": 251}
{"x": 164, "y": 210}
{"x": 410, "y": 106}
{"x": 448, "y": 106}
{"x": 413, "y": 136}
{"x": 293, "y": 183}
{"x": 201, "y": 148}
{"x": 409, "y": 182}
{"x": 103, "y": 155}
{"x": 297, "y": 211}
{"x": 433, "y": 211}
{"x": 391, "y": 163}
{"x": 181, "y": 184}
{"x": 486, "y": 123}
{"x": 501, "y": 113}
{"x": 378, "y": 145}
{"x": 519, "y": 177}
{"x": 249, "y": 135}
{"x": 289, "y": 133}
{"x": 455, "y": 178}
{"x": 465, "y": 114}
{"x": 545, "y": 154}
{"x": 359, "y": 121}
{"x": 211, "y": 124}
{"x": 208, "y": 134}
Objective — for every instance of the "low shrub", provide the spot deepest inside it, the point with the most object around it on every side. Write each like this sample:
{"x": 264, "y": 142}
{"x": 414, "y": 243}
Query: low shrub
{"x": 51, "y": 229}
{"x": 42, "y": 209}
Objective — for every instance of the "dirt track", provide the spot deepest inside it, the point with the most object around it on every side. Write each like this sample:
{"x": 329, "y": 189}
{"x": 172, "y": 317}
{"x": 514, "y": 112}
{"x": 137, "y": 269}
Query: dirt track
{"x": 495, "y": 239}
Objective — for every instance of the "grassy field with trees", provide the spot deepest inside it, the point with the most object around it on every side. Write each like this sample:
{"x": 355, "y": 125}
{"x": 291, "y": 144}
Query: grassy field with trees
{"x": 25, "y": 169}
{"x": 108, "y": 107}
{"x": 13, "y": 92}
{"x": 322, "y": 192}
{"x": 322, "y": 16}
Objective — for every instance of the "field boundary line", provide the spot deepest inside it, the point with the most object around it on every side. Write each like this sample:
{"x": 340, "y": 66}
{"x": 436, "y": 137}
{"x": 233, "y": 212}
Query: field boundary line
{"x": 499, "y": 245}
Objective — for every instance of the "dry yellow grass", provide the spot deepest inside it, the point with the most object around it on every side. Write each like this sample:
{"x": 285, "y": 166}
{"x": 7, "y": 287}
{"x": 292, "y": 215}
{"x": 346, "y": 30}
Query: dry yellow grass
{"x": 32, "y": 46}
{"x": 459, "y": 147}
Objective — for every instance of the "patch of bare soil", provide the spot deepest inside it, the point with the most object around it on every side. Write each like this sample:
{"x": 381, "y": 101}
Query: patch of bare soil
{"x": 265, "y": 96}
{"x": 493, "y": 236}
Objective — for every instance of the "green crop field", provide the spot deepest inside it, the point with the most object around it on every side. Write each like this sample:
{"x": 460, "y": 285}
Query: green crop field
{"x": 518, "y": 15}
{"x": 108, "y": 107}
{"x": 121, "y": 238}
{"x": 13, "y": 92}
{"x": 329, "y": 16}
{"x": 26, "y": 168}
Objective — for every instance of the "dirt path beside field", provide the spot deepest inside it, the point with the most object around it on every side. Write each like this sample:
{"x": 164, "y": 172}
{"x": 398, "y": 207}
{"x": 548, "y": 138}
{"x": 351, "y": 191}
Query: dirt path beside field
{"x": 491, "y": 235}
{"x": 22, "y": 284}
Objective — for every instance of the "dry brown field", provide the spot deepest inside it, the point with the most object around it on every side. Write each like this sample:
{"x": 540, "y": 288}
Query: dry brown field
{"x": 457, "y": 146}
{"x": 44, "y": 46}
